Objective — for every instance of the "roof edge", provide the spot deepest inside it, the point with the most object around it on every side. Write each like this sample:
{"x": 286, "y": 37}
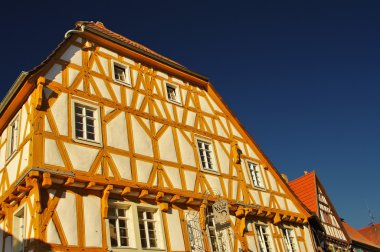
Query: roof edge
{"x": 145, "y": 53}
{"x": 13, "y": 90}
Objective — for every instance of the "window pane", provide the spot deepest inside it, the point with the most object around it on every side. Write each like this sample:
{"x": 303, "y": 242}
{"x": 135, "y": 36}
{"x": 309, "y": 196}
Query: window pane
{"x": 113, "y": 233}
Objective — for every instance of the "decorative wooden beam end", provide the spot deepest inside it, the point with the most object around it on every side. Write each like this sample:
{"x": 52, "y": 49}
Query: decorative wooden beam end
{"x": 125, "y": 191}
{"x": 190, "y": 200}
{"x": 69, "y": 181}
{"x": 175, "y": 198}
{"x": 46, "y": 180}
{"x": 34, "y": 174}
{"x": 143, "y": 193}
{"x": 160, "y": 196}
{"x": 277, "y": 219}
{"x": 91, "y": 185}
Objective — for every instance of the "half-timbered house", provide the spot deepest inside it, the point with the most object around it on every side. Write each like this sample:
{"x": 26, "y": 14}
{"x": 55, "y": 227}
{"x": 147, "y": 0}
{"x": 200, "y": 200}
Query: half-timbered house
{"x": 327, "y": 226}
{"x": 110, "y": 146}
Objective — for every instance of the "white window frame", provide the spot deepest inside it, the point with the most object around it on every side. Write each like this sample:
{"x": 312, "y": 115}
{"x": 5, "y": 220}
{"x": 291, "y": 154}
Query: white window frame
{"x": 17, "y": 243}
{"x": 135, "y": 243}
{"x": 202, "y": 152}
{"x": 127, "y": 72}
{"x": 145, "y": 222}
{"x": 261, "y": 237}
{"x": 97, "y": 123}
{"x": 117, "y": 218}
{"x": 178, "y": 98}
{"x": 256, "y": 177}
{"x": 289, "y": 238}
{"x": 12, "y": 148}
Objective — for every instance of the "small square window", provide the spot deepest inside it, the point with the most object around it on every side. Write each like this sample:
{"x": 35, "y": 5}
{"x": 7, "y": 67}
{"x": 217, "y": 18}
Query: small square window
{"x": 206, "y": 155}
{"x": 254, "y": 171}
{"x": 86, "y": 123}
{"x": 13, "y": 133}
{"x": 173, "y": 93}
{"x": 121, "y": 74}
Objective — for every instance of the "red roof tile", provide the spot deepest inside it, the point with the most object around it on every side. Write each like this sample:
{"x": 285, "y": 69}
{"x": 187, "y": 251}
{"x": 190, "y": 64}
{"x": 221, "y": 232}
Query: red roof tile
{"x": 372, "y": 233}
{"x": 355, "y": 235}
{"x": 101, "y": 28}
{"x": 306, "y": 190}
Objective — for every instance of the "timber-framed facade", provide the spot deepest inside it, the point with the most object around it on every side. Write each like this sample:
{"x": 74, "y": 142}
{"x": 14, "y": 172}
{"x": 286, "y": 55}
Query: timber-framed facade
{"x": 109, "y": 146}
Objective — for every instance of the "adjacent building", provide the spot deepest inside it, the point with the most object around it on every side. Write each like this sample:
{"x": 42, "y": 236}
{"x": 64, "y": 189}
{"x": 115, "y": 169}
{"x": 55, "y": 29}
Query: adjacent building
{"x": 327, "y": 227}
{"x": 372, "y": 232}
{"x": 359, "y": 243}
{"x": 110, "y": 146}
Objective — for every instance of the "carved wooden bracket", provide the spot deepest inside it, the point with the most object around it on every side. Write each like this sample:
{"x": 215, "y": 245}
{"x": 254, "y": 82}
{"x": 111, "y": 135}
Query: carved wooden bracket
{"x": 46, "y": 180}
{"x": 277, "y": 219}
{"x": 69, "y": 181}
{"x": 236, "y": 152}
{"x": 106, "y": 194}
{"x": 125, "y": 191}
{"x": 38, "y": 95}
{"x": 202, "y": 215}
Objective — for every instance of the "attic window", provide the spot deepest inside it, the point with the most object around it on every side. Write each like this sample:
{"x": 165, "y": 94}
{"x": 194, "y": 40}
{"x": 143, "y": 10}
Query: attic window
{"x": 13, "y": 136}
{"x": 172, "y": 93}
{"x": 254, "y": 171}
{"x": 121, "y": 74}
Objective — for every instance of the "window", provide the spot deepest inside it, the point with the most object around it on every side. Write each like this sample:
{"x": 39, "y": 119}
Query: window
{"x": 121, "y": 73}
{"x": 19, "y": 230}
{"x": 172, "y": 93}
{"x": 147, "y": 225}
{"x": 263, "y": 237}
{"x": 86, "y": 119}
{"x": 206, "y": 155}
{"x": 254, "y": 171}
{"x": 134, "y": 226}
{"x": 118, "y": 225}
{"x": 289, "y": 239}
{"x": 13, "y": 136}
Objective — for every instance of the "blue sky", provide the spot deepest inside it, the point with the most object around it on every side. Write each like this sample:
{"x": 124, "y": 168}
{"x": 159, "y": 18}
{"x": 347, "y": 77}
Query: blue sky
{"x": 302, "y": 76}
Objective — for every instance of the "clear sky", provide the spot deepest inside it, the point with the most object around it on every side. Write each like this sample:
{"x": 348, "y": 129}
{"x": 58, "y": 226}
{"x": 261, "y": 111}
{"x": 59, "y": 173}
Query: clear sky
{"x": 302, "y": 76}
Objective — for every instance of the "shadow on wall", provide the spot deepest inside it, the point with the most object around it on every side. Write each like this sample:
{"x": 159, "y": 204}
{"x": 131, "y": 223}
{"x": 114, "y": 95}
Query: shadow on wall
{"x": 10, "y": 243}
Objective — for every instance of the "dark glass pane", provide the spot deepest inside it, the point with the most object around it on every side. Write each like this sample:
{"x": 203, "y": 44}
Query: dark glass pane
{"x": 124, "y": 242}
{"x": 153, "y": 243}
{"x": 89, "y": 113}
{"x": 113, "y": 234}
{"x": 149, "y": 215}
{"x": 144, "y": 243}
{"x": 140, "y": 213}
{"x": 121, "y": 212}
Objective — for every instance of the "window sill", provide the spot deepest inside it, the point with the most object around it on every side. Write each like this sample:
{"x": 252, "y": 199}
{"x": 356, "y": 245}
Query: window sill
{"x": 134, "y": 249}
{"x": 122, "y": 82}
{"x": 88, "y": 142}
{"x": 210, "y": 171}
{"x": 174, "y": 102}
{"x": 259, "y": 188}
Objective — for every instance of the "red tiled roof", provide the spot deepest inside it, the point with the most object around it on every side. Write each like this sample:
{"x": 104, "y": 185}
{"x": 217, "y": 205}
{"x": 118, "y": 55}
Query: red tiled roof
{"x": 372, "y": 233}
{"x": 101, "y": 28}
{"x": 355, "y": 235}
{"x": 306, "y": 190}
